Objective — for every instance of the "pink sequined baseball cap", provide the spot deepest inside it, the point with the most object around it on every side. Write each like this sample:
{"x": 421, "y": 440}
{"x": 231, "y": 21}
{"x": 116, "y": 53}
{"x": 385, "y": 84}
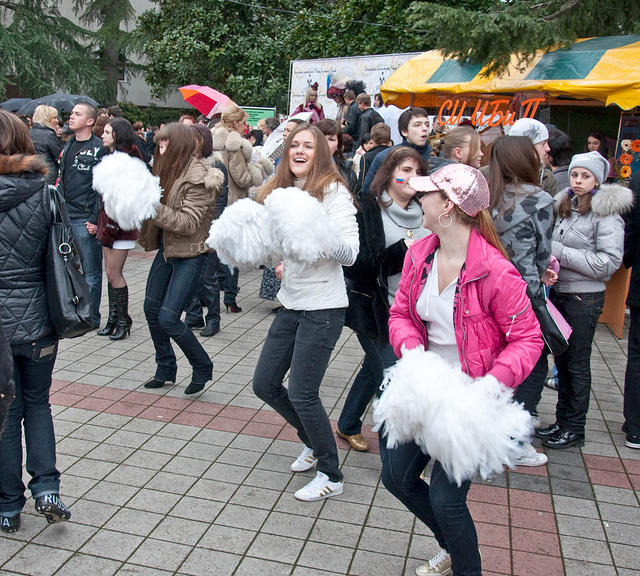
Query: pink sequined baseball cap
{"x": 465, "y": 185}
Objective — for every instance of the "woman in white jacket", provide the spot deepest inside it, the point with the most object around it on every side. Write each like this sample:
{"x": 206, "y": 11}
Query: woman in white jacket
{"x": 314, "y": 300}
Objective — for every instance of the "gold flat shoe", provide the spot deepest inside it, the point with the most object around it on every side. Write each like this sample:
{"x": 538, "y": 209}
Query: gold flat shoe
{"x": 356, "y": 441}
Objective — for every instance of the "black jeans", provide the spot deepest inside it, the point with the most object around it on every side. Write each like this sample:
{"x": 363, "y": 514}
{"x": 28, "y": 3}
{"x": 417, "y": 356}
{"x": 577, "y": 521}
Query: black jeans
{"x": 208, "y": 293}
{"x": 302, "y": 342}
{"x": 530, "y": 391}
{"x": 442, "y": 506}
{"x": 632, "y": 378}
{"x": 32, "y": 368}
{"x": 378, "y": 355}
{"x": 581, "y": 311}
{"x": 170, "y": 288}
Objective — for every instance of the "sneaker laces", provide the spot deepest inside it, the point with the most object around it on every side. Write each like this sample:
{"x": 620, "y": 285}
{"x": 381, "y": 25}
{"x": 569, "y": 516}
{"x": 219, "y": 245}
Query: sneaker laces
{"x": 440, "y": 557}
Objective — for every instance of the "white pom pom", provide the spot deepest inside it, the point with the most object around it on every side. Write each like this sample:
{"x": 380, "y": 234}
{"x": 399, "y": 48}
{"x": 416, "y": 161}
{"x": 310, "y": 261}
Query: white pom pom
{"x": 130, "y": 193}
{"x": 242, "y": 235}
{"x": 301, "y": 226}
{"x": 469, "y": 426}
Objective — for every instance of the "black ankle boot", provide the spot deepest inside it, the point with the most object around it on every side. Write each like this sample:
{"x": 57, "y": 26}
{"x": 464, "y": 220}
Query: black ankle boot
{"x": 9, "y": 524}
{"x": 110, "y": 326}
{"x": 233, "y": 308}
{"x": 52, "y": 508}
{"x": 123, "y": 327}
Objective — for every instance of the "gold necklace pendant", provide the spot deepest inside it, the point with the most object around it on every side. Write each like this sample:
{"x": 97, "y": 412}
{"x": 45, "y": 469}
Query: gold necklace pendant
{"x": 410, "y": 233}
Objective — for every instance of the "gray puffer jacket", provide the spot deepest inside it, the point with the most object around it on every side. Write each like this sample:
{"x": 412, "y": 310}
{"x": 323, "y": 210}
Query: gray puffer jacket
{"x": 589, "y": 246}
{"x": 525, "y": 224}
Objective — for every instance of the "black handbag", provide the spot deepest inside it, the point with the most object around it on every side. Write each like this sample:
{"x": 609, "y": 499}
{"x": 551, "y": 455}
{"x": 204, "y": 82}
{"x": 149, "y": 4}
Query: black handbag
{"x": 555, "y": 329}
{"x": 67, "y": 289}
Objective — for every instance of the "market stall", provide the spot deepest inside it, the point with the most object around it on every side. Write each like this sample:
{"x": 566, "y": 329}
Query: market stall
{"x": 602, "y": 71}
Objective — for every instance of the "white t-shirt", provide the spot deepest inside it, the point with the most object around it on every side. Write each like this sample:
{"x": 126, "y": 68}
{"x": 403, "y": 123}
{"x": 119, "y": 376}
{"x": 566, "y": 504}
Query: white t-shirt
{"x": 436, "y": 309}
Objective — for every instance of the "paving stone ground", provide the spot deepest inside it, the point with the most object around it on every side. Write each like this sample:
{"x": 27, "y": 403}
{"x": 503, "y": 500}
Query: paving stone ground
{"x": 161, "y": 484}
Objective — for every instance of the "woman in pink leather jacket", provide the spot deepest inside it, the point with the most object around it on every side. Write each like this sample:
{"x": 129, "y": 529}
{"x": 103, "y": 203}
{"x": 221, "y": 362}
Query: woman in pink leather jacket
{"x": 460, "y": 297}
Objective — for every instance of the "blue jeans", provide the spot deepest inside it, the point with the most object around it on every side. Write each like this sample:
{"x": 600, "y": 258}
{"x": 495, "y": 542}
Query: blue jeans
{"x": 442, "y": 506}
{"x": 170, "y": 288}
{"x": 302, "y": 341}
{"x": 378, "y": 355}
{"x": 632, "y": 377}
{"x": 208, "y": 294}
{"x": 32, "y": 368}
{"x": 91, "y": 255}
{"x": 581, "y": 311}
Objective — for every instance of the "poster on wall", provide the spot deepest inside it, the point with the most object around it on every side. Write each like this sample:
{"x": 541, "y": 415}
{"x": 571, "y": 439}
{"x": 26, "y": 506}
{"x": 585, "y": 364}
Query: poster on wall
{"x": 372, "y": 70}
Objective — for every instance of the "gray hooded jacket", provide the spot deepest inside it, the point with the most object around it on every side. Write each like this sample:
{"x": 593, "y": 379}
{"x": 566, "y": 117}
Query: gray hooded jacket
{"x": 524, "y": 225}
{"x": 589, "y": 246}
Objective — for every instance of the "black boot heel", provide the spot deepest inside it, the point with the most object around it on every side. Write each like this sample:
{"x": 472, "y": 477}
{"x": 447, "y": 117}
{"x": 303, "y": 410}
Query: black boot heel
{"x": 110, "y": 326}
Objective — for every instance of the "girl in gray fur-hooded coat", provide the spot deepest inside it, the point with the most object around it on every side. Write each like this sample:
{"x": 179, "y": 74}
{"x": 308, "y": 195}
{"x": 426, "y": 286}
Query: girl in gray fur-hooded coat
{"x": 236, "y": 154}
{"x": 587, "y": 240}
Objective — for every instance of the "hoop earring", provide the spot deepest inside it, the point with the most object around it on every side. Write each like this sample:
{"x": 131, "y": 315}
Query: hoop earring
{"x": 450, "y": 220}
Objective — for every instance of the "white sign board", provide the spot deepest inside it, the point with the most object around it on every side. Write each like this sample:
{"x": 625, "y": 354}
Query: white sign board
{"x": 372, "y": 70}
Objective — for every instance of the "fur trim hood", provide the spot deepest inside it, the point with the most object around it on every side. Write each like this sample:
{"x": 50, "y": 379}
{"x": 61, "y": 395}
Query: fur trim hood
{"x": 224, "y": 139}
{"x": 609, "y": 199}
{"x": 21, "y": 163}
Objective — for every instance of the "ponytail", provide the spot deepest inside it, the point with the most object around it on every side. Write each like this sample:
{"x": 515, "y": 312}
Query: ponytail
{"x": 484, "y": 224}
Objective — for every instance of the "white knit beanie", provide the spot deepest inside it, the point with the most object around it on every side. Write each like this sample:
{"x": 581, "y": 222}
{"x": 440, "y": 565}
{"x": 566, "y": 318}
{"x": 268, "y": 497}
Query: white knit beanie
{"x": 533, "y": 129}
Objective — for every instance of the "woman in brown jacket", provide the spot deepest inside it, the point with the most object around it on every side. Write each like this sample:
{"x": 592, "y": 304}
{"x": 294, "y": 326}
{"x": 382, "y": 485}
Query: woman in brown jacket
{"x": 178, "y": 233}
{"x": 242, "y": 173}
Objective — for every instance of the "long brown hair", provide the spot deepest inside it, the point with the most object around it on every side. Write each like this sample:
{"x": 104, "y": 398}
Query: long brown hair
{"x": 180, "y": 150}
{"x": 14, "y": 135}
{"x": 583, "y": 205}
{"x": 514, "y": 160}
{"x": 384, "y": 175}
{"x": 322, "y": 173}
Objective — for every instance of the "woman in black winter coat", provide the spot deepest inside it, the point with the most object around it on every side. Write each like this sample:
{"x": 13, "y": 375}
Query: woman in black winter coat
{"x": 389, "y": 220}
{"x": 45, "y": 139}
{"x": 25, "y": 220}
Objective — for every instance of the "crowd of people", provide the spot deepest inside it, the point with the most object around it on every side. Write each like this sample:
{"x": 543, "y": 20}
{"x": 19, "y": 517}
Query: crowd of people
{"x": 448, "y": 251}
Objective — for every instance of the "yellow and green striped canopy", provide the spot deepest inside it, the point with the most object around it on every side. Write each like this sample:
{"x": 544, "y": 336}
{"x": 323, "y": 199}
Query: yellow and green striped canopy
{"x": 605, "y": 69}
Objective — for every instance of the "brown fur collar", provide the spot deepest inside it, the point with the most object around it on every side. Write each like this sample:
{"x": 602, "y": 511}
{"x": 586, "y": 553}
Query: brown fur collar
{"x": 21, "y": 163}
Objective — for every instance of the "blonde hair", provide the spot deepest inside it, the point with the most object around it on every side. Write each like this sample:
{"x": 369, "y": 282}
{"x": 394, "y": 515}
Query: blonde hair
{"x": 458, "y": 137}
{"x": 43, "y": 114}
{"x": 310, "y": 91}
{"x": 233, "y": 113}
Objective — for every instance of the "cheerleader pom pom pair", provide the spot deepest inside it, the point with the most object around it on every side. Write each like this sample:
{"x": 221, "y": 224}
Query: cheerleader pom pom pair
{"x": 130, "y": 193}
{"x": 290, "y": 225}
{"x": 471, "y": 426}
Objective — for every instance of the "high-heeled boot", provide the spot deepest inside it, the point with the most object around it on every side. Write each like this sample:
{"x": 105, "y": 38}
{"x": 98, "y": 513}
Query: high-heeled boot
{"x": 123, "y": 327}
{"x": 110, "y": 326}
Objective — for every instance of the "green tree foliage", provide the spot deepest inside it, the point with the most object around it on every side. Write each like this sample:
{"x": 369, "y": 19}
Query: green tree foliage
{"x": 41, "y": 51}
{"x": 244, "y": 50}
{"x": 489, "y": 31}
{"x": 114, "y": 44}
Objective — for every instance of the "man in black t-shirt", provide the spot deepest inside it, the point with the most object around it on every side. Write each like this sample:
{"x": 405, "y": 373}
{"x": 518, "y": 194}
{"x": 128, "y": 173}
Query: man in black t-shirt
{"x": 81, "y": 153}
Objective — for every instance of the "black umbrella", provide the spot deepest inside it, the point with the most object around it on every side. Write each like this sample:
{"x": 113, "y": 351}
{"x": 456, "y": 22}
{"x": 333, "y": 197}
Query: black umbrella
{"x": 14, "y": 104}
{"x": 62, "y": 101}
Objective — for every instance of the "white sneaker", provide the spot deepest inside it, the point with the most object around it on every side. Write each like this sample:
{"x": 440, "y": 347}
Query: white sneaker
{"x": 439, "y": 564}
{"x": 530, "y": 457}
{"x": 319, "y": 488}
{"x": 305, "y": 461}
